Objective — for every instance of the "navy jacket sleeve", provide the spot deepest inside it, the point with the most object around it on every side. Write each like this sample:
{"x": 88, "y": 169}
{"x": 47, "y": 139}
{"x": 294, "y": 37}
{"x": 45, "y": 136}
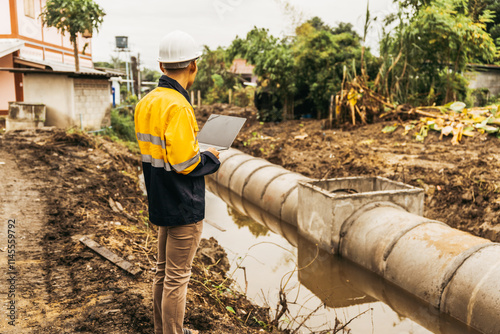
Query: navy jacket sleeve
{"x": 208, "y": 164}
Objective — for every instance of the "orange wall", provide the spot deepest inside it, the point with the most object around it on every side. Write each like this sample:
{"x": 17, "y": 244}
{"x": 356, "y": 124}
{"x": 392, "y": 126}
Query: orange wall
{"x": 31, "y": 30}
{"x": 7, "y": 83}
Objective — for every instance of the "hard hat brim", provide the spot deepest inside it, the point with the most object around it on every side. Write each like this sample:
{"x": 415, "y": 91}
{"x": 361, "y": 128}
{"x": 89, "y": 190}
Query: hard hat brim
{"x": 164, "y": 61}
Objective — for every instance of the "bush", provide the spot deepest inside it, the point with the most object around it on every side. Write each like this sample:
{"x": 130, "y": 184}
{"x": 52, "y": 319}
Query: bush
{"x": 122, "y": 126}
{"x": 243, "y": 96}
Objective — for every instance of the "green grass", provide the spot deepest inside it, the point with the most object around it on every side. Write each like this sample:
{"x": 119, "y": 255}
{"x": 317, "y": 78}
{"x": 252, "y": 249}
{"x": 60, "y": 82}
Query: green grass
{"x": 122, "y": 130}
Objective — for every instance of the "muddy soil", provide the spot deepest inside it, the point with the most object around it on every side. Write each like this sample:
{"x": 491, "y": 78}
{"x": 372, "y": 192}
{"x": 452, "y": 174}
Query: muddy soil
{"x": 63, "y": 182}
{"x": 461, "y": 182}
{"x": 60, "y": 186}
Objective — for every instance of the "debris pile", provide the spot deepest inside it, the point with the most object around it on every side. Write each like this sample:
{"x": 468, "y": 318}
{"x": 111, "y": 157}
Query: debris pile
{"x": 453, "y": 119}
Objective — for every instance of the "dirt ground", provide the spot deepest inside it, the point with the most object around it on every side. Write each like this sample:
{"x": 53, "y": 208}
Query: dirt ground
{"x": 461, "y": 182}
{"x": 61, "y": 185}
{"x": 58, "y": 187}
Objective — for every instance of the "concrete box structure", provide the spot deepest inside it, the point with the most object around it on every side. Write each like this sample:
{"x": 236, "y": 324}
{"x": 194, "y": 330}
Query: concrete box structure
{"x": 71, "y": 100}
{"x": 25, "y": 115}
{"x": 325, "y": 206}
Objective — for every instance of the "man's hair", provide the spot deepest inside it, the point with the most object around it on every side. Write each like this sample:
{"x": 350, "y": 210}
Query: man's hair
{"x": 176, "y": 66}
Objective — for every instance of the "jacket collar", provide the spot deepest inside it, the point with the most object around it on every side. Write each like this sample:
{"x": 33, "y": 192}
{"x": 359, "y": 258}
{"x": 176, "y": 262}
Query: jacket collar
{"x": 167, "y": 82}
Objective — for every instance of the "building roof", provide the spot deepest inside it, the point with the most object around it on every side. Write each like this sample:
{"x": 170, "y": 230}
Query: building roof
{"x": 240, "y": 66}
{"x": 27, "y": 65}
{"x": 53, "y": 66}
{"x": 74, "y": 74}
{"x": 9, "y": 45}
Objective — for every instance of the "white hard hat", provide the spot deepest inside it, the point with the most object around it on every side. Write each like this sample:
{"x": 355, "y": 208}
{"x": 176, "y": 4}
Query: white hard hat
{"x": 178, "y": 49}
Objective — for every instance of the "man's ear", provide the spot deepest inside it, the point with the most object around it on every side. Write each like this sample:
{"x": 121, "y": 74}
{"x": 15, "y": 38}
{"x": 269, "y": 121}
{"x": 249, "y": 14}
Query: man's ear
{"x": 162, "y": 70}
{"x": 193, "y": 66}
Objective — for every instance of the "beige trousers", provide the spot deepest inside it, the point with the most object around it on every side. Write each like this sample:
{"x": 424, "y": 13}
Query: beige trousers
{"x": 176, "y": 249}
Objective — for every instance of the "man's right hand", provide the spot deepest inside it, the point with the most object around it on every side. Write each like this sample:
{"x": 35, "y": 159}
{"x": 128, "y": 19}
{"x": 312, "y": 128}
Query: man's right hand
{"x": 214, "y": 152}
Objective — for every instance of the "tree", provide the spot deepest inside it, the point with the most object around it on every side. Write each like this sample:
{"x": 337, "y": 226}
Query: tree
{"x": 274, "y": 65}
{"x": 320, "y": 58}
{"x": 214, "y": 78}
{"x": 73, "y": 17}
{"x": 431, "y": 48}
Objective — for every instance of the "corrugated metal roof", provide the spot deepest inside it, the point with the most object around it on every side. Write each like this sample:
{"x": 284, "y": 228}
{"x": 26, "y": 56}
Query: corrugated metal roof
{"x": 55, "y": 66}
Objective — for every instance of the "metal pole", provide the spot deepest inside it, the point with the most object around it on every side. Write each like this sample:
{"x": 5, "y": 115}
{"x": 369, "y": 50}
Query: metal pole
{"x": 139, "y": 76}
{"x": 132, "y": 79}
{"x": 128, "y": 76}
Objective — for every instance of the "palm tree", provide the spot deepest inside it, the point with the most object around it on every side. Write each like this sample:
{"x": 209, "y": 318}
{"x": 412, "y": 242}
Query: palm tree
{"x": 74, "y": 17}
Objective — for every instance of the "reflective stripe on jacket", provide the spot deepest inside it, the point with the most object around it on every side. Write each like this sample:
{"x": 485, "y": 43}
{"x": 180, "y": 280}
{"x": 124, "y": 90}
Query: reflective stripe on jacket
{"x": 173, "y": 166}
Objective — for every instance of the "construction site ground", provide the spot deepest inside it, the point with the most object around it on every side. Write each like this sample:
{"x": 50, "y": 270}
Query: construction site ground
{"x": 59, "y": 186}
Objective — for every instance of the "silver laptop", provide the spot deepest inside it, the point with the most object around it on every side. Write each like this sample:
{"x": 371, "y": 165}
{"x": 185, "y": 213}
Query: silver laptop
{"x": 219, "y": 132}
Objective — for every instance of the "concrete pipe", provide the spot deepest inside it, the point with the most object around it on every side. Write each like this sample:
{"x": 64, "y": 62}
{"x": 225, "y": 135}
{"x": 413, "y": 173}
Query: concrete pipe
{"x": 339, "y": 283}
{"x": 266, "y": 185}
{"x": 377, "y": 223}
{"x": 473, "y": 294}
{"x": 289, "y": 232}
{"x": 415, "y": 253}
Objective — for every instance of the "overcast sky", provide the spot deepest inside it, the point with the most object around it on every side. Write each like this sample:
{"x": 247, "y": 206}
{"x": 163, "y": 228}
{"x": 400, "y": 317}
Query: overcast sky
{"x": 218, "y": 22}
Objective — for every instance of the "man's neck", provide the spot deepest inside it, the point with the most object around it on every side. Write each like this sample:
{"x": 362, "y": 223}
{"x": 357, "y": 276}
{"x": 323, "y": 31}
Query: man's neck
{"x": 181, "y": 79}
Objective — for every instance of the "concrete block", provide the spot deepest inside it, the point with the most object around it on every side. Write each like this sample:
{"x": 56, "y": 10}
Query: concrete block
{"x": 20, "y": 125}
{"x": 27, "y": 112}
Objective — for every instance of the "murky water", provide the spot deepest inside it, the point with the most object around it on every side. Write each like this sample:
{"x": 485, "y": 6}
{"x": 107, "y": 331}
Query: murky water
{"x": 319, "y": 287}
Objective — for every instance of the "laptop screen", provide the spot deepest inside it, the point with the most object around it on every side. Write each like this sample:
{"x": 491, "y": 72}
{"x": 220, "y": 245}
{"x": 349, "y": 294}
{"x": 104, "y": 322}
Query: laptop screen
{"x": 220, "y": 130}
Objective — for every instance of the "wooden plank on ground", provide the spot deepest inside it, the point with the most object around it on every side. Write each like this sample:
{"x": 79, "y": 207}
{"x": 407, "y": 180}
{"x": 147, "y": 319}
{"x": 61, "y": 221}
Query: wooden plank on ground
{"x": 214, "y": 224}
{"x": 109, "y": 255}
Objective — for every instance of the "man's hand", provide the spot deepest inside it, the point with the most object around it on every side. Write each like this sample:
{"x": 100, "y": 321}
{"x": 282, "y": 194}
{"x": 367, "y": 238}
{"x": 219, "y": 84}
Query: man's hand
{"x": 213, "y": 151}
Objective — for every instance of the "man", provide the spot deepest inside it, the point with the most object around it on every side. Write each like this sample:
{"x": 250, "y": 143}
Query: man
{"x": 174, "y": 172}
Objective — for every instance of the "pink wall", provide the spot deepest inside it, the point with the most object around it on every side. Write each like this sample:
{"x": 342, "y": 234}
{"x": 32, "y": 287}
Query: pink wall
{"x": 7, "y": 83}
{"x": 29, "y": 27}
{"x": 4, "y": 18}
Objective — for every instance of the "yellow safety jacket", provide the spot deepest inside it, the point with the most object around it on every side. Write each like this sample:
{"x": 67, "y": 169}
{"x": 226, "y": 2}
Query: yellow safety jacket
{"x": 173, "y": 166}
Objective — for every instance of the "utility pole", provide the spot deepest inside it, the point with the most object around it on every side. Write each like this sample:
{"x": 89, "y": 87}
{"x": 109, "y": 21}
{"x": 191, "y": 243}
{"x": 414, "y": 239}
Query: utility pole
{"x": 128, "y": 76}
{"x": 139, "y": 76}
{"x": 135, "y": 76}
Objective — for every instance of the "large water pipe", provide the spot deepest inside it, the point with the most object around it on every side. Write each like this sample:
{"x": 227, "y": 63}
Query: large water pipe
{"x": 339, "y": 282}
{"x": 457, "y": 273}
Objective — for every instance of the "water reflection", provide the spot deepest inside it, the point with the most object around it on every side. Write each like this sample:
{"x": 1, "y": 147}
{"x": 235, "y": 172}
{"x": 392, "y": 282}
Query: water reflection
{"x": 242, "y": 221}
{"x": 338, "y": 283}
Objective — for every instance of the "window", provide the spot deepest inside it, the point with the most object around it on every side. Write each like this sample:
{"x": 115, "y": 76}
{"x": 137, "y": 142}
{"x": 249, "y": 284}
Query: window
{"x": 29, "y": 8}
